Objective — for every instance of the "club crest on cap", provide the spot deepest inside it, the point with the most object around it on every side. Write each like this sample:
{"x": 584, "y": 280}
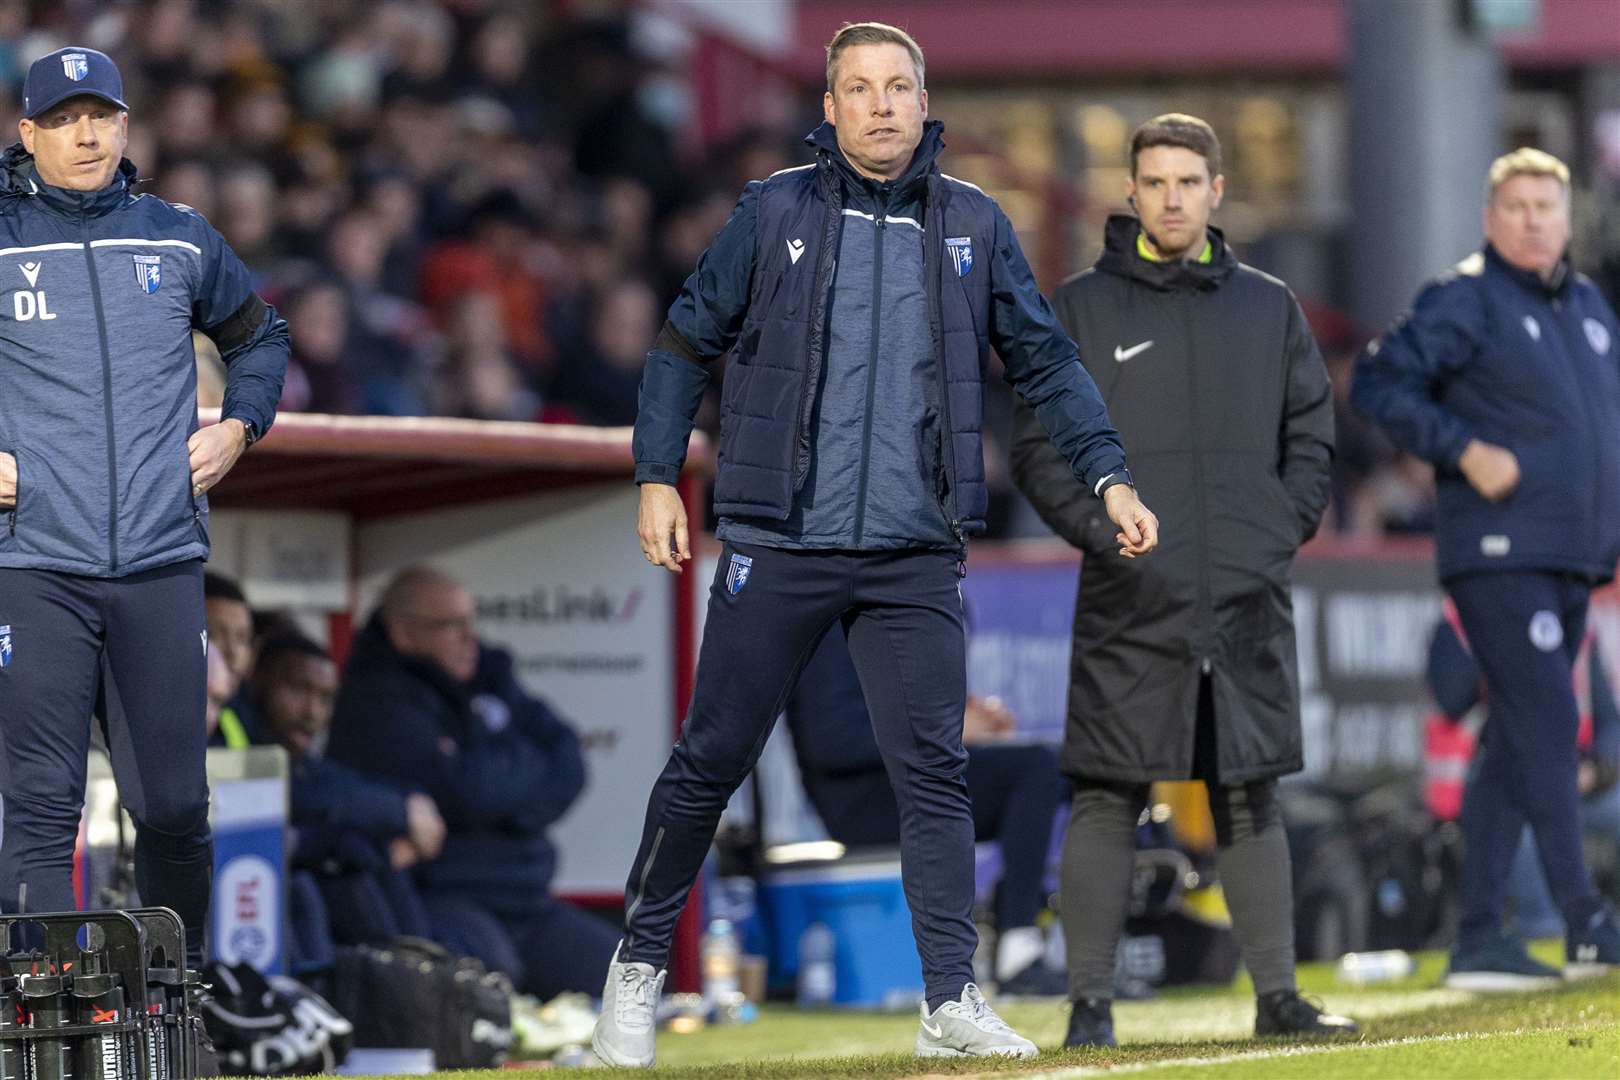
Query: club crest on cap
{"x": 75, "y": 65}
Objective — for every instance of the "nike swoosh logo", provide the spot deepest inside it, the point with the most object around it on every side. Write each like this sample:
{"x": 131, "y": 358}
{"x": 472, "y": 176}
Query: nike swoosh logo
{"x": 1122, "y": 355}
{"x": 934, "y": 1030}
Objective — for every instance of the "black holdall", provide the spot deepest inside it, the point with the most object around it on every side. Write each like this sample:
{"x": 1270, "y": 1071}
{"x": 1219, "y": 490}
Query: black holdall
{"x": 411, "y": 992}
{"x": 272, "y": 1026}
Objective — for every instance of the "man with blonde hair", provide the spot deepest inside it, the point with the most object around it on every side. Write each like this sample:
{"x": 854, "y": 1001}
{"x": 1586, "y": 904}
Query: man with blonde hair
{"x": 859, "y": 297}
{"x": 1506, "y": 376}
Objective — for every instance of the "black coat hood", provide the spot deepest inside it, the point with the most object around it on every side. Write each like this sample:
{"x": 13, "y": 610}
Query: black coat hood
{"x": 1120, "y": 257}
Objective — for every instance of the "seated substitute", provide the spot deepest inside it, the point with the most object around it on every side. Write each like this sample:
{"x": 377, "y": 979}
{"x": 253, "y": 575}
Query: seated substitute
{"x": 357, "y": 835}
{"x": 229, "y": 619}
{"x": 425, "y": 704}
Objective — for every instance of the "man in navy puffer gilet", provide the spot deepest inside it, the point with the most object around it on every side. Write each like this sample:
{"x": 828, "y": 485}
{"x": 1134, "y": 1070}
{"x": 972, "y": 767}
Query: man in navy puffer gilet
{"x": 859, "y": 298}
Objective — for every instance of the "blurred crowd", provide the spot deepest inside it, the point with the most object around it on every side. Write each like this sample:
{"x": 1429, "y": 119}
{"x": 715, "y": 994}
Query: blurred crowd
{"x": 463, "y": 207}
{"x": 482, "y": 208}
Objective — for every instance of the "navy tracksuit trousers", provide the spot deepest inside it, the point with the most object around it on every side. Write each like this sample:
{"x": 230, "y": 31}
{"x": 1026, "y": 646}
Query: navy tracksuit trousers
{"x": 1525, "y": 628}
{"x": 768, "y": 609}
{"x": 137, "y": 645}
{"x": 1016, "y": 791}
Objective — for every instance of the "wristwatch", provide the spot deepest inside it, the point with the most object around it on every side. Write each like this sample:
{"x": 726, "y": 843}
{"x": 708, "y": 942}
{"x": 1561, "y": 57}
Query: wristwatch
{"x": 251, "y": 430}
{"x": 1119, "y": 476}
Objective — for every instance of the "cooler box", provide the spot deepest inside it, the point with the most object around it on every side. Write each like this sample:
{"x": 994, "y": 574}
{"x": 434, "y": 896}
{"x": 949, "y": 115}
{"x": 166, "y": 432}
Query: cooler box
{"x": 861, "y": 901}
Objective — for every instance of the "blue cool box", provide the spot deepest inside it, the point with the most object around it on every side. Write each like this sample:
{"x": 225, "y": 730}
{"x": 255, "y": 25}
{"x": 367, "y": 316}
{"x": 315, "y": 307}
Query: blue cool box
{"x": 864, "y": 905}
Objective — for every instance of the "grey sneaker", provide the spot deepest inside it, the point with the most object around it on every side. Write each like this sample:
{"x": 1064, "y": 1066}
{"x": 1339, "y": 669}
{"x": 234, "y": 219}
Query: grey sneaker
{"x": 627, "y": 1031}
{"x": 969, "y": 1028}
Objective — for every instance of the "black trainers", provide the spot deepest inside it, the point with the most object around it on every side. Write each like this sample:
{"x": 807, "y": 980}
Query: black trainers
{"x": 1594, "y": 950}
{"x": 1496, "y": 963}
{"x": 1036, "y": 980}
{"x": 1286, "y": 1013}
{"x": 1091, "y": 1023}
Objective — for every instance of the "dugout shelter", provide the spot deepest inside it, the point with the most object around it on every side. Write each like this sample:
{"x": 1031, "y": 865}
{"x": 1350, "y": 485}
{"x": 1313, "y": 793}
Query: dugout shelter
{"x": 538, "y": 521}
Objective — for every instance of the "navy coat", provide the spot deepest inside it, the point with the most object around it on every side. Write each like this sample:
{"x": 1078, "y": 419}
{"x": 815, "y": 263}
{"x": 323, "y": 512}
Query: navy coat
{"x": 762, "y": 292}
{"x": 1494, "y": 353}
{"x": 500, "y": 764}
{"x": 99, "y": 294}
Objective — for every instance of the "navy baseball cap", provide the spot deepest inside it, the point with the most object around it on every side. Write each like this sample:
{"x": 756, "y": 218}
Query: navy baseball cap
{"x": 69, "y": 72}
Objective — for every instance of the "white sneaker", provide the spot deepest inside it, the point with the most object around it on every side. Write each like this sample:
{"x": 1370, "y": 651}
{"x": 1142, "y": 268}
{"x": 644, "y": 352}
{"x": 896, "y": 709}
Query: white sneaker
{"x": 627, "y": 1031}
{"x": 969, "y": 1028}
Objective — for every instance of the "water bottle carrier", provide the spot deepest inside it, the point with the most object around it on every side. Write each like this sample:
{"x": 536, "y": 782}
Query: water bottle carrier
{"x": 134, "y": 960}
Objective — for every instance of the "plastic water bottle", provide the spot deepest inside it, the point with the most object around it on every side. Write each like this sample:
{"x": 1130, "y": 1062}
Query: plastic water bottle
{"x": 818, "y": 977}
{"x": 718, "y": 953}
{"x": 1385, "y": 965}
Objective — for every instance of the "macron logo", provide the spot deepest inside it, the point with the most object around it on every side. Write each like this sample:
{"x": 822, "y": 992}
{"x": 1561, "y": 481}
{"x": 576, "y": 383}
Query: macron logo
{"x": 1122, "y": 355}
{"x": 795, "y": 249}
{"x": 31, "y": 272}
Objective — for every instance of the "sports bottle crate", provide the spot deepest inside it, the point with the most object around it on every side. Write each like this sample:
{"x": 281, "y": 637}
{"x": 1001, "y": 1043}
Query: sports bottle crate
{"x": 97, "y": 995}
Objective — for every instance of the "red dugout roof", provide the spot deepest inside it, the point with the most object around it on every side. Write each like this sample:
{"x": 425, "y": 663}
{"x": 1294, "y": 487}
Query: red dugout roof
{"x": 371, "y": 466}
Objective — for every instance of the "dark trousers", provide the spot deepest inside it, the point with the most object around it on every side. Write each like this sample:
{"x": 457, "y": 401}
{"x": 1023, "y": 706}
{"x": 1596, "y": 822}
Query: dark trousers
{"x": 1016, "y": 791}
{"x": 902, "y": 614}
{"x": 1525, "y": 628}
{"x": 555, "y": 948}
{"x": 1251, "y": 857}
{"x": 145, "y": 635}
{"x": 371, "y": 906}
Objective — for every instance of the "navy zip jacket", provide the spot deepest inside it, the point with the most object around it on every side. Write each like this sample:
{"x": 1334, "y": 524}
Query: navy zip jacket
{"x": 500, "y": 764}
{"x": 337, "y": 814}
{"x": 1494, "y": 353}
{"x": 99, "y": 294}
{"x": 859, "y": 316}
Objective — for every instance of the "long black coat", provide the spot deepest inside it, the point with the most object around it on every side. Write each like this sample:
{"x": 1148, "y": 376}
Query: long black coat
{"x": 1216, "y": 386}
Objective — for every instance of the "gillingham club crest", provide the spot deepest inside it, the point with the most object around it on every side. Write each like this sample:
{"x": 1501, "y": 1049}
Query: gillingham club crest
{"x": 5, "y": 646}
{"x": 737, "y": 573}
{"x": 148, "y": 272}
{"x": 75, "y": 65}
{"x": 961, "y": 252}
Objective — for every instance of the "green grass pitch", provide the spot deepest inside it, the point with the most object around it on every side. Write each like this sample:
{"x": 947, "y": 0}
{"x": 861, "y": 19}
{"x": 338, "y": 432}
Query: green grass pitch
{"x": 1411, "y": 1029}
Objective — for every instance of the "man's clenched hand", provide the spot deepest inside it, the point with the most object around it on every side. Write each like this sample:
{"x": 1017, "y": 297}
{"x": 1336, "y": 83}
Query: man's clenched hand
{"x": 214, "y": 451}
{"x": 1491, "y": 470}
{"x": 8, "y": 481}
{"x": 1138, "y": 528}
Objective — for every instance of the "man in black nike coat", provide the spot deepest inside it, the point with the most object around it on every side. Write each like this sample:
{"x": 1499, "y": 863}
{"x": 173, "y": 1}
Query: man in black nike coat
{"x": 1184, "y": 663}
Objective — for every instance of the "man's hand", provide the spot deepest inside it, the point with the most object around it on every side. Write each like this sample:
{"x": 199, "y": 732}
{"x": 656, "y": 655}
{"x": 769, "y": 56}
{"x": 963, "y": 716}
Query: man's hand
{"x": 402, "y": 853}
{"x": 214, "y": 451}
{"x": 8, "y": 481}
{"x": 1491, "y": 470}
{"x": 1138, "y": 528}
{"x": 424, "y": 827}
{"x": 663, "y": 515}
{"x": 986, "y": 719}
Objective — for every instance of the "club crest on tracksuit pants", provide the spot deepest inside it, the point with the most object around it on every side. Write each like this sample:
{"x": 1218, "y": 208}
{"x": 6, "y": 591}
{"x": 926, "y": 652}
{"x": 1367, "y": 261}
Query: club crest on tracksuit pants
{"x": 738, "y": 572}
